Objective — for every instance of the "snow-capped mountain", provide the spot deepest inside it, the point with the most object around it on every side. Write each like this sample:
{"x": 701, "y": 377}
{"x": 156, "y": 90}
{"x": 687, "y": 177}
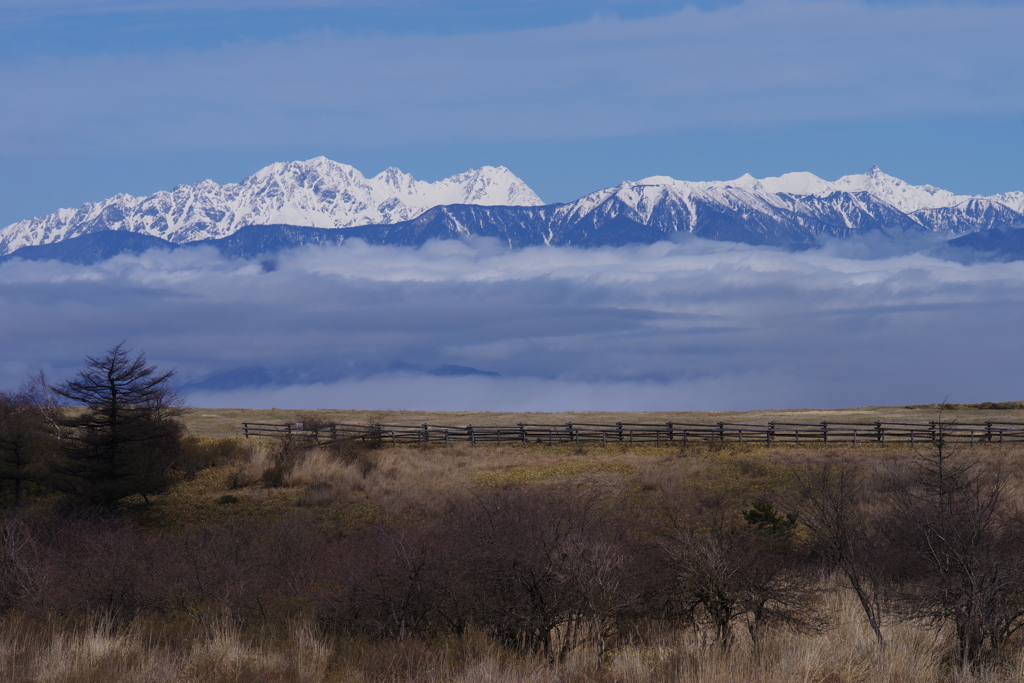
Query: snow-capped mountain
{"x": 793, "y": 210}
{"x": 323, "y": 202}
{"x": 317, "y": 193}
{"x": 798, "y": 205}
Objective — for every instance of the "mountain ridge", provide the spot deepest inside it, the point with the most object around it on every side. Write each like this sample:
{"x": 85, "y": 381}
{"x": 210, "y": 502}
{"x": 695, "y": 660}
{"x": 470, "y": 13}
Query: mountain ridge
{"x": 317, "y": 192}
{"x": 321, "y": 201}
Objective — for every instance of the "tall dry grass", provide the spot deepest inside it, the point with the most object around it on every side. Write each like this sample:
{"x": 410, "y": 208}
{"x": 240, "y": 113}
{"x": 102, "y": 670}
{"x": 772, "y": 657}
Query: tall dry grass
{"x": 404, "y": 480}
{"x": 146, "y": 652}
{"x": 409, "y": 480}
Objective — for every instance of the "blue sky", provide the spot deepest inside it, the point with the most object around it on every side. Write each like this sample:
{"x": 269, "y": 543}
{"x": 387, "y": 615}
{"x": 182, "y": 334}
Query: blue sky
{"x": 99, "y": 97}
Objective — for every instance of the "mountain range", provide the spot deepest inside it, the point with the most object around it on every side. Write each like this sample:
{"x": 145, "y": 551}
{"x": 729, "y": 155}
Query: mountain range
{"x": 320, "y": 201}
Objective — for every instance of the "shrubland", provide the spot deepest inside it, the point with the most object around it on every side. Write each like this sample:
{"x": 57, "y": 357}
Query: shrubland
{"x": 136, "y": 547}
{"x": 353, "y": 561}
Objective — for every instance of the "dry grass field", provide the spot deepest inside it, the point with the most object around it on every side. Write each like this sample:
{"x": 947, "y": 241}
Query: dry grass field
{"x": 226, "y": 422}
{"x": 144, "y": 652}
{"x": 212, "y": 631}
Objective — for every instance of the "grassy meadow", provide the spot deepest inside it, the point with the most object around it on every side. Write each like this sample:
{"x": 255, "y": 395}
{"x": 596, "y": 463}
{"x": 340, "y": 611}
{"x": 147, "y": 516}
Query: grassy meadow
{"x": 227, "y": 422}
{"x": 306, "y": 563}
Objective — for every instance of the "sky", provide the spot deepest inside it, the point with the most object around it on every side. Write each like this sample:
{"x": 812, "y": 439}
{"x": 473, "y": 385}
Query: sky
{"x": 100, "y": 97}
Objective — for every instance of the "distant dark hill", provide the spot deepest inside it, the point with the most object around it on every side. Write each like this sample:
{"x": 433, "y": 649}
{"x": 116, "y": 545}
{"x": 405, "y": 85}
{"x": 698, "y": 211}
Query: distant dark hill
{"x": 249, "y": 242}
{"x": 986, "y": 245}
{"x": 256, "y": 240}
{"x": 256, "y": 377}
{"x": 92, "y": 248}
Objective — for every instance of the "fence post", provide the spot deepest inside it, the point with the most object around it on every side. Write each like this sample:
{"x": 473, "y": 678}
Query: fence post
{"x": 824, "y": 431}
{"x": 988, "y": 431}
{"x": 671, "y": 434}
{"x": 472, "y": 435}
{"x": 879, "y": 434}
{"x": 426, "y": 434}
{"x": 770, "y": 436}
{"x": 522, "y": 431}
{"x": 721, "y": 432}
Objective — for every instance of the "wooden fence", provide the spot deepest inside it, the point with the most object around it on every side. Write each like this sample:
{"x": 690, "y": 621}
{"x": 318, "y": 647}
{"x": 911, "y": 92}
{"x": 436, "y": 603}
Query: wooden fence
{"x": 658, "y": 433}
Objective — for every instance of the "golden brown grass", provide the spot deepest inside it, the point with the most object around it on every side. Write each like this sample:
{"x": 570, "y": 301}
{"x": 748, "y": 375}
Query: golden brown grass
{"x": 348, "y": 490}
{"x": 148, "y": 651}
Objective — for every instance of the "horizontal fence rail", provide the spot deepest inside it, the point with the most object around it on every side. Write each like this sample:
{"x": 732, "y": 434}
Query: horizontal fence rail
{"x": 657, "y": 433}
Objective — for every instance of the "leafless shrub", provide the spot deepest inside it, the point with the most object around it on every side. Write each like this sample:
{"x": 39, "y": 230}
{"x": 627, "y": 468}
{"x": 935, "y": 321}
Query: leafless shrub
{"x": 962, "y": 559}
{"x": 549, "y": 569}
{"x": 18, "y": 561}
{"x": 316, "y": 426}
{"x": 405, "y": 582}
{"x": 724, "y": 573}
{"x": 256, "y": 572}
{"x": 833, "y": 499}
{"x": 97, "y": 564}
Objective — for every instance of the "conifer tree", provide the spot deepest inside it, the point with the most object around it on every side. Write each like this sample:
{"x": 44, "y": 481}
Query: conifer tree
{"x": 128, "y": 439}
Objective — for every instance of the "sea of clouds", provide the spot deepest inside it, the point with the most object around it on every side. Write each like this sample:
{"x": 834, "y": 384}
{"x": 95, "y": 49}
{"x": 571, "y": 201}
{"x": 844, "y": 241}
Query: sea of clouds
{"x": 670, "y": 326}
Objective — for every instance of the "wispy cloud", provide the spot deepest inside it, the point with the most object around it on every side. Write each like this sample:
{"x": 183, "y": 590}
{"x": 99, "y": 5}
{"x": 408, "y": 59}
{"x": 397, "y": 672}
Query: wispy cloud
{"x": 690, "y": 325}
{"x": 756, "y": 63}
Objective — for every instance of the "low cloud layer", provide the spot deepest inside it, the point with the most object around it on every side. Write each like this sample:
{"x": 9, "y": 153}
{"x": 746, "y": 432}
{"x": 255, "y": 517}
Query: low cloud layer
{"x": 694, "y": 325}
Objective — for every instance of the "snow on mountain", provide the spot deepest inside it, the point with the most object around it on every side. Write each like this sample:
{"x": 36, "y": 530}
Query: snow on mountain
{"x": 905, "y": 197}
{"x": 788, "y": 183}
{"x": 1013, "y": 200}
{"x": 793, "y": 210}
{"x": 316, "y": 193}
{"x": 893, "y": 191}
{"x": 871, "y": 200}
{"x": 881, "y": 186}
